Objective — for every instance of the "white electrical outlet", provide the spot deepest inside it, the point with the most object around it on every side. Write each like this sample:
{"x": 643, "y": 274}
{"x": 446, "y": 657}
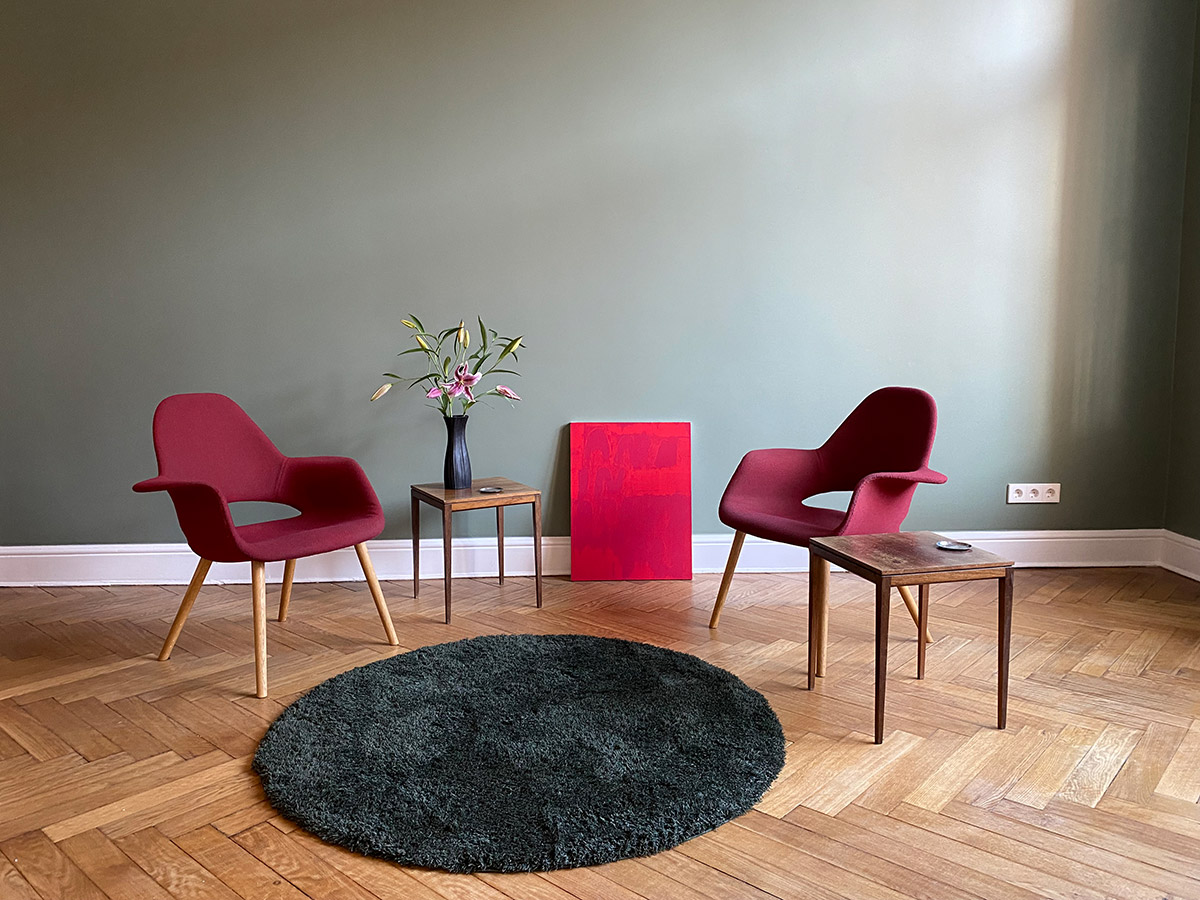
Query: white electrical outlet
{"x": 1034, "y": 493}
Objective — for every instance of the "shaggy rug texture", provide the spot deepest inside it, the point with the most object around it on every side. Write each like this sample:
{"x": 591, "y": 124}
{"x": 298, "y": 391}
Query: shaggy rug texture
{"x": 519, "y": 753}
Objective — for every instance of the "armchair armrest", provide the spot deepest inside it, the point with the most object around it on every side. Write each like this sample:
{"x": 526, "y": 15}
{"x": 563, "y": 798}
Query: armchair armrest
{"x": 203, "y": 515}
{"x": 881, "y": 500}
{"x": 923, "y": 475}
{"x": 327, "y": 482}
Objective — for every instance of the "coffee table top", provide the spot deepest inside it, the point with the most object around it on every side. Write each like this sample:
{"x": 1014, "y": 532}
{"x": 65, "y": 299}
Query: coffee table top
{"x": 904, "y": 553}
{"x": 511, "y": 493}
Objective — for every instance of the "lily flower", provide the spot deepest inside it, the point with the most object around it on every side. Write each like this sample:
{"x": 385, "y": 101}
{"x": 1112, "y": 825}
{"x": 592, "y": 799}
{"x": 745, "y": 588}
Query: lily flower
{"x": 463, "y": 381}
{"x": 434, "y": 392}
{"x": 506, "y": 392}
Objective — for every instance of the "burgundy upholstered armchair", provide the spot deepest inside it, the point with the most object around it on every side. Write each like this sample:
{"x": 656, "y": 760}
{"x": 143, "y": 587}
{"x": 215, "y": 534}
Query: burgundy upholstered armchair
{"x": 881, "y": 453}
{"x": 210, "y": 454}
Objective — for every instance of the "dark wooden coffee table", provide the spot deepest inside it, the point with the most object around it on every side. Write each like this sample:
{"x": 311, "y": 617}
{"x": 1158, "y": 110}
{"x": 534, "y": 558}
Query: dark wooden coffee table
{"x": 512, "y": 493}
{"x": 907, "y": 558}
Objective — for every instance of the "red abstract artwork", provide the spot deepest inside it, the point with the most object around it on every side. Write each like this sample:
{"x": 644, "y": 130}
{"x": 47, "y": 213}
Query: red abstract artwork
{"x": 631, "y": 501}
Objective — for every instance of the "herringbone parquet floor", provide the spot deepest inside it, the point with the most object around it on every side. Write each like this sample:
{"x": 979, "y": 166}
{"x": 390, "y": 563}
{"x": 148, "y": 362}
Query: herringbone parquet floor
{"x": 124, "y": 777}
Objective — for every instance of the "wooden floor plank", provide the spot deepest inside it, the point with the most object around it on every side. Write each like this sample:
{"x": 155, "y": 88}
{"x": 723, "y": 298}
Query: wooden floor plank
{"x": 50, "y": 871}
{"x": 110, "y": 869}
{"x": 171, "y": 867}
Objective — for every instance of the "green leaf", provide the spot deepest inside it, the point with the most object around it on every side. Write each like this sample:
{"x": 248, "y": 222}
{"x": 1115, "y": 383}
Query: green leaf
{"x": 418, "y": 321}
{"x": 502, "y": 371}
{"x": 413, "y": 350}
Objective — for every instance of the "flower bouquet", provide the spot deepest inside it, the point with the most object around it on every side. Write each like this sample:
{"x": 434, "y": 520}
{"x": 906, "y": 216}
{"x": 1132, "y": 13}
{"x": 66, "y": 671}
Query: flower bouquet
{"x": 453, "y": 374}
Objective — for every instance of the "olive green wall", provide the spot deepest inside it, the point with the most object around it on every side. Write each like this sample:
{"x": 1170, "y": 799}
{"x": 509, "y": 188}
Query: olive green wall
{"x": 741, "y": 213}
{"x": 1183, "y": 496}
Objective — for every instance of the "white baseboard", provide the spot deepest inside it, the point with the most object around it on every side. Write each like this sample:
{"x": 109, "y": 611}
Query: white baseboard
{"x": 92, "y": 564}
{"x": 1181, "y": 554}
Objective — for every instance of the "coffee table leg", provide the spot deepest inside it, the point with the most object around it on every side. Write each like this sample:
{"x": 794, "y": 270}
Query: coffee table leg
{"x": 446, "y": 546}
{"x": 1005, "y": 640}
{"x": 537, "y": 548}
{"x": 500, "y": 539}
{"x": 922, "y": 627}
{"x": 883, "y": 597}
{"x": 416, "y": 542}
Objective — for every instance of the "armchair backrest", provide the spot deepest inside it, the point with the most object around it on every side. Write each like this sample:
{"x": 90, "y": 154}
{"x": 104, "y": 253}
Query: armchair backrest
{"x": 891, "y": 430}
{"x": 209, "y": 438}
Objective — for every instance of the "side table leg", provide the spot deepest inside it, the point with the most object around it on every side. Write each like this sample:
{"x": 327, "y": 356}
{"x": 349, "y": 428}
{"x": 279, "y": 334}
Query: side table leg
{"x": 500, "y": 539}
{"x": 416, "y": 542}
{"x": 818, "y": 582}
{"x": 883, "y": 596}
{"x": 446, "y": 547}
{"x": 1005, "y": 640}
{"x": 922, "y": 627}
{"x": 537, "y": 547}
{"x": 812, "y": 621}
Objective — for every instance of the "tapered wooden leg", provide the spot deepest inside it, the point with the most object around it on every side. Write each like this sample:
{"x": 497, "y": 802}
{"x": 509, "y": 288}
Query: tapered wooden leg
{"x": 727, "y": 579}
{"x": 185, "y": 607}
{"x": 818, "y": 587}
{"x": 907, "y": 597}
{"x": 285, "y": 592}
{"x": 1005, "y": 639}
{"x": 500, "y": 540}
{"x": 364, "y": 560}
{"x": 883, "y": 596}
{"x": 537, "y": 548}
{"x": 416, "y": 542}
{"x": 258, "y": 576}
{"x": 922, "y": 628}
{"x": 446, "y": 557}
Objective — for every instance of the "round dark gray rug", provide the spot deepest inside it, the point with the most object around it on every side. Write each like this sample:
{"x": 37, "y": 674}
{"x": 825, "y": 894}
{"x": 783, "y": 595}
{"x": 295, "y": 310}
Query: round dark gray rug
{"x": 521, "y": 753}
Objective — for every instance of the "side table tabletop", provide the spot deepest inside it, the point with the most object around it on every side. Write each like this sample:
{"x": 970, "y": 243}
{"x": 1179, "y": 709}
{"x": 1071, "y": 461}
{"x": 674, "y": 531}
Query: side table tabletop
{"x": 907, "y": 558}
{"x": 512, "y": 493}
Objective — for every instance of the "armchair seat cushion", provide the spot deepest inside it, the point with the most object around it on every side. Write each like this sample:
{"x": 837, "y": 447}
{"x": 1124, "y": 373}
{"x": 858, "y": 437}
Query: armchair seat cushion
{"x": 306, "y": 534}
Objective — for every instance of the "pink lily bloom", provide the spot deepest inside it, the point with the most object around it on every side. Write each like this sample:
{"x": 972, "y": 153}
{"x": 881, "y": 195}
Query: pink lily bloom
{"x": 462, "y": 384}
{"x": 506, "y": 392}
{"x": 434, "y": 392}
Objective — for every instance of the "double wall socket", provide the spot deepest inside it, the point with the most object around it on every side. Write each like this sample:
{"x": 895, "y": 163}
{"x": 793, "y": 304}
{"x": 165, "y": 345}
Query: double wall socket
{"x": 1034, "y": 493}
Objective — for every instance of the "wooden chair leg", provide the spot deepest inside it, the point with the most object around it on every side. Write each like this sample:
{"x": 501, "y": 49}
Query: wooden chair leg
{"x": 258, "y": 576}
{"x": 185, "y": 607}
{"x": 285, "y": 592}
{"x": 727, "y": 579}
{"x": 377, "y": 594}
{"x": 913, "y": 610}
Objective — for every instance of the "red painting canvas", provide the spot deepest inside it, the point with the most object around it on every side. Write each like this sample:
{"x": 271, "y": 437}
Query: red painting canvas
{"x": 631, "y": 501}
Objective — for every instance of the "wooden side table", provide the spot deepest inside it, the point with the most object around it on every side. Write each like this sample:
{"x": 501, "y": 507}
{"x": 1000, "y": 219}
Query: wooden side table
{"x": 907, "y": 558}
{"x": 512, "y": 493}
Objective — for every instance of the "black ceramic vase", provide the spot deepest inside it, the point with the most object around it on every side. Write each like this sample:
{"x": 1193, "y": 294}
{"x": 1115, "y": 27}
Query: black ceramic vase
{"x": 457, "y": 474}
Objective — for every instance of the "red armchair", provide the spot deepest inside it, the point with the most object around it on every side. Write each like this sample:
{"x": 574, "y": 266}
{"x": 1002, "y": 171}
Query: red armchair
{"x": 881, "y": 453}
{"x": 210, "y": 454}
